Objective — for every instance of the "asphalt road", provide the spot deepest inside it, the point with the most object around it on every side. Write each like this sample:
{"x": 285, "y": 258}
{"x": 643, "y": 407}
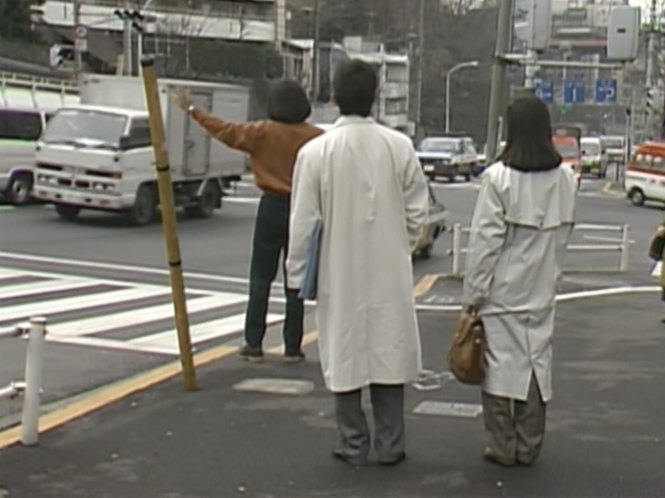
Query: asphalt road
{"x": 104, "y": 284}
{"x": 604, "y": 438}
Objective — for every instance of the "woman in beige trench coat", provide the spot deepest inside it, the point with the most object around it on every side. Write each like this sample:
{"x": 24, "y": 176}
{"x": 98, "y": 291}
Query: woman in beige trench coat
{"x": 521, "y": 225}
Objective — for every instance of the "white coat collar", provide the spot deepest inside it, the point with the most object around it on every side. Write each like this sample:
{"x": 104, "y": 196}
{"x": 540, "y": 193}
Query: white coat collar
{"x": 350, "y": 120}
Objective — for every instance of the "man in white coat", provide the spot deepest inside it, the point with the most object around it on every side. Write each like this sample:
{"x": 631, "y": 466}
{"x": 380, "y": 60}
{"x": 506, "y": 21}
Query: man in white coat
{"x": 363, "y": 182}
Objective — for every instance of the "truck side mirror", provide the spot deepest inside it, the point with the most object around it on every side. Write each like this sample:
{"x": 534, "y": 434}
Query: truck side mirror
{"x": 125, "y": 142}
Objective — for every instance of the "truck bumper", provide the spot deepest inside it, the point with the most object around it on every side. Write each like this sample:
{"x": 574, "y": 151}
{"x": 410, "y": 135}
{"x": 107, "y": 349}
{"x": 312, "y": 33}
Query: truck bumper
{"x": 84, "y": 199}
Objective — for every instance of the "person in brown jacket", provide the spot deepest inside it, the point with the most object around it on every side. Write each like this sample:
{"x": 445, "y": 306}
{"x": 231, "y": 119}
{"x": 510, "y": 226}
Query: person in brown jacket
{"x": 272, "y": 145}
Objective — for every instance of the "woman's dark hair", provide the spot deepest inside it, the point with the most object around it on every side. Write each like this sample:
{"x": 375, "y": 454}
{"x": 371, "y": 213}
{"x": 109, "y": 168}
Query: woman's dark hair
{"x": 529, "y": 145}
{"x": 354, "y": 87}
{"x": 288, "y": 103}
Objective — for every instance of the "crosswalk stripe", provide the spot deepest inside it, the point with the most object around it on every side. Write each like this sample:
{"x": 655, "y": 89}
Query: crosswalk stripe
{"x": 242, "y": 200}
{"x": 115, "y": 344}
{"x": 199, "y": 333}
{"x": 7, "y": 274}
{"x": 24, "y": 311}
{"x": 105, "y": 323}
{"x": 36, "y": 288}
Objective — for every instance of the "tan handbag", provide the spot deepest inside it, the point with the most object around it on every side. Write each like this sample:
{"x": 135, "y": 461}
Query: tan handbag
{"x": 466, "y": 355}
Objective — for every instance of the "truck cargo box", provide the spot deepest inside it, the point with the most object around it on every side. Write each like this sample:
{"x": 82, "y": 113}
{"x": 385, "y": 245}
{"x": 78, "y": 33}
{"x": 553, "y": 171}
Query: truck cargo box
{"x": 191, "y": 151}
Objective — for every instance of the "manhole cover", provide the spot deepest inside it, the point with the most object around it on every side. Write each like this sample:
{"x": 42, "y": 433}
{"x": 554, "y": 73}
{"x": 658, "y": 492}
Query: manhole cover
{"x": 276, "y": 386}
{"x": 444, "y": 408}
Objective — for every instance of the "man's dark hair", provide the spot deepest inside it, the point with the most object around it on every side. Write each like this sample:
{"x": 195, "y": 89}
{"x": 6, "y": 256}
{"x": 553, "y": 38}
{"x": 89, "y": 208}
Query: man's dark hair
{"x": 529, "y": 145}
{"x": 354, "y": 87}
{"x": 288, "y": 103}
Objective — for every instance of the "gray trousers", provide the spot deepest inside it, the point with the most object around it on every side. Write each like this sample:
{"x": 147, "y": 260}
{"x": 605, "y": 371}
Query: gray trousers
{"x": 515, "y": 429}
{"x": 388, "y": 410}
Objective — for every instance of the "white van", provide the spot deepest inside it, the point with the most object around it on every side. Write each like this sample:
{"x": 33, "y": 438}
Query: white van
{"x": 26, "y": 105}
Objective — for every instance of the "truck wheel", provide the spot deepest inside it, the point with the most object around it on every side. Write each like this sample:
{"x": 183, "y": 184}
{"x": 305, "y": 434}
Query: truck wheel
{"x": 145, "y": 206}
{"x": 209, "y": 200}
{"x": 67, "y": 212}
{"x": 19, "y": 189}
{"x": 637, "y": 197}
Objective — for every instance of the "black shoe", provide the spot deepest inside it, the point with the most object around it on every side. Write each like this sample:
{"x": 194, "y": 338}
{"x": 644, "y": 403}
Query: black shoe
{"x": 253, "y": 355}
{"x": 356, "y": 462}
{"x": 395, "y": 461}
{"x": 294, "y": 357}
{"x": 490, "y": 456}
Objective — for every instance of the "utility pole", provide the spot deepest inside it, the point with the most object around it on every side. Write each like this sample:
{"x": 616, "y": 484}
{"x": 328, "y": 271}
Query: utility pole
{"x": 419, "y": 74}
{"x": 504, "y": 28}
{"x": 127, "y": 43}
{"x": 315, "y": 55}
{"x": 78, "y": 56}
{"x": 651, "y": 79}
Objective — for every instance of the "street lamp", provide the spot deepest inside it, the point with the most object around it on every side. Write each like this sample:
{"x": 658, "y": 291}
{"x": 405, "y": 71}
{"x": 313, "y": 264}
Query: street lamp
{"x": 450, "y": 72}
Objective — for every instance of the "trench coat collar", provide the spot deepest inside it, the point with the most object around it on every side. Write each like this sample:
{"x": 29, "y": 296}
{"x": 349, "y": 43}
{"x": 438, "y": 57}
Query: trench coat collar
{"x": 350, "y": 120}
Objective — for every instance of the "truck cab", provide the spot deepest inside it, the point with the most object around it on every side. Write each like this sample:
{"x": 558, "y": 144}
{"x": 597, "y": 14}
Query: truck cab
{"x": 96, "y": 157}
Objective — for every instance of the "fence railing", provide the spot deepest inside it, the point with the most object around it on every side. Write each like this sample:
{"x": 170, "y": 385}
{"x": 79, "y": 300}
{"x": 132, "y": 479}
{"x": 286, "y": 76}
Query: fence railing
{"x": 31, "y": 386}
{"x": 623, "y": 247}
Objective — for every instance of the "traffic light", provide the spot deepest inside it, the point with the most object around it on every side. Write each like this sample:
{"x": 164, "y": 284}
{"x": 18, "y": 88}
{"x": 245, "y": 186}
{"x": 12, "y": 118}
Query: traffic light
{"x": 650, "y": 99}
{"x": 60, "y": 55}
{"x": 134, "y": 16}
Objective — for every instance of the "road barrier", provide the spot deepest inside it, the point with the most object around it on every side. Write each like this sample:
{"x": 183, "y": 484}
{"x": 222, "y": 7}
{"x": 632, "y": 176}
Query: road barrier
{"x": 31, "y": 386}
{"x": 622, "y": 247}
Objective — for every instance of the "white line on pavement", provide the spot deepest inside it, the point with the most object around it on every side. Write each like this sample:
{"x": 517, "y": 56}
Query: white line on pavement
{"x": 125, "y": 268}
{"x": 569, "y": 296}
{"x": 241, "y": 200}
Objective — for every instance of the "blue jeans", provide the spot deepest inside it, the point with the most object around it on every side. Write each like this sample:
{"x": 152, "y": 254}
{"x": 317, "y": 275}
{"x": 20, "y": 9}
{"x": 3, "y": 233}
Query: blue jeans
{"x": 270, "y": 244}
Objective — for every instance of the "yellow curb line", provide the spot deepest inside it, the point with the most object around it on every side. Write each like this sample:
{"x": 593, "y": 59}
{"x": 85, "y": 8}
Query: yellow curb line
{"x": 112, "y": 393}
{"x": 101, "y": 397}
{"x": 424, "y": 285}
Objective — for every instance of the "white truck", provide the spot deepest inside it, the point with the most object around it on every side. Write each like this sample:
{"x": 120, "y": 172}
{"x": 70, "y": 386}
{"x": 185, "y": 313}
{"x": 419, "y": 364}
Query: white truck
{"x": 98, "y": 155}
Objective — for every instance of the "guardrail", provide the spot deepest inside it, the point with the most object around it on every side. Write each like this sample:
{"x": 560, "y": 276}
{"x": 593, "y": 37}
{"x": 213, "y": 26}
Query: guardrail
{"x": 31, "y": 386}
{"x": 623, "y": 248}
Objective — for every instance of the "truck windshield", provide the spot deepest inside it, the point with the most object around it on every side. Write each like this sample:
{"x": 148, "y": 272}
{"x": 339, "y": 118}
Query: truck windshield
{"x": 613, "y": 143}
{"x": 567, "y": 150}
{"x": 84, "y": 128}
{"x": 439, "y": 145}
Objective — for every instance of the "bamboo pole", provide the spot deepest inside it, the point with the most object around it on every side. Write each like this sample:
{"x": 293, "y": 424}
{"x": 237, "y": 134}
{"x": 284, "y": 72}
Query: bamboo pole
{"x": 169, "y": 220}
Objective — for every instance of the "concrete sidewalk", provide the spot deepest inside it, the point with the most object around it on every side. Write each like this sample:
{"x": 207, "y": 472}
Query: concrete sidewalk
{"x": 605, "y": 435}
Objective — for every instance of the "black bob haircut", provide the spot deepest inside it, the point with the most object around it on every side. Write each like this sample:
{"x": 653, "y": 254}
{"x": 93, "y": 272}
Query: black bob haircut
{"x": 529, "y": 146}
{"x": 288, "y": 102}
{"x": 354, "y": 86}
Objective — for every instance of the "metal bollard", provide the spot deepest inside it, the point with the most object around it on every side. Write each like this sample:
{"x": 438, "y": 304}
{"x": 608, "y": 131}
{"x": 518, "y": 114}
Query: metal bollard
{"x": 33, "y": 381}
{"x": 457, "y": 248}
{"x": 625, "y": 249}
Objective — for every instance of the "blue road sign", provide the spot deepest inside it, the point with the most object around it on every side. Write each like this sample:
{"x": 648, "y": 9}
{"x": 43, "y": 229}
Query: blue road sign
{"x": 606, "y": 91}
{"x": 573, "y": 92}
{"x": 545, "y": 91}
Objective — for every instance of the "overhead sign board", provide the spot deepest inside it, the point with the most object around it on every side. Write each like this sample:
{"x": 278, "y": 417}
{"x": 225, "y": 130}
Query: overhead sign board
{"x": 573, "y": 92}
{"x": 606, "y": 91}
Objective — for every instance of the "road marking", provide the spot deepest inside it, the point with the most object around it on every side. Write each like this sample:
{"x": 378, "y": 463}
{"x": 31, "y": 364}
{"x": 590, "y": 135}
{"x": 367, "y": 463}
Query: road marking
{"x": 560, "y": 298}
{"x": 168, "y": 340}
{"x": 424, "y": 285}
{"x": 146, "y": 270}
{"x": 36, "y": 288}
{"x": 73, "y": 303}
{"x": 242, "y": 200}
{"x": 104, "y": 396}
{"x": 108, "y": 322}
